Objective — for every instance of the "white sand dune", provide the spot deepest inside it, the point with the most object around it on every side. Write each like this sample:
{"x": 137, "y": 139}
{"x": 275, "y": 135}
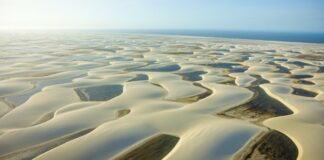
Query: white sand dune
{"x": 110, "y": 96}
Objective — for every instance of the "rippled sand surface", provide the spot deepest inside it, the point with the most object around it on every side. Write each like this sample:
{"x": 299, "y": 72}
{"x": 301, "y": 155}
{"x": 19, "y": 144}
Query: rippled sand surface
{"x": 108, "y": 96}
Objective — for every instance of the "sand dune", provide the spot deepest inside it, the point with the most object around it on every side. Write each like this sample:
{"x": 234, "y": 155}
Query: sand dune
{"x": 110, "y": 96}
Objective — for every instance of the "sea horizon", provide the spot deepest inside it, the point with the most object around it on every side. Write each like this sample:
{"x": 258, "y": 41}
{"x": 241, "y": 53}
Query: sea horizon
{"x": 281, "y": 36}
{"x": 284, "y": 36}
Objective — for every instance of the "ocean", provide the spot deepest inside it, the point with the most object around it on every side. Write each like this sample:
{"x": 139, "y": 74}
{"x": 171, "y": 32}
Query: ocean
{"x": 306, "y": 37}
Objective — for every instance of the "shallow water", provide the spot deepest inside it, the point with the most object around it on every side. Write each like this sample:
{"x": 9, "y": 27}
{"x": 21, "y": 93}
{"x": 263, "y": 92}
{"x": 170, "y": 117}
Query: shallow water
{"x": 100, "y": 93}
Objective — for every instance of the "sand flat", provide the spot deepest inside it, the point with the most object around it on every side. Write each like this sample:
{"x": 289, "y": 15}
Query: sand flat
{"x": 119, "y": 96}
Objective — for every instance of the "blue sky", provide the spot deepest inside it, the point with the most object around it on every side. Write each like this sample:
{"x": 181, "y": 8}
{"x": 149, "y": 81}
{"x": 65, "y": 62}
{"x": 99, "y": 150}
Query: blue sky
{"x": 260, "y": 15}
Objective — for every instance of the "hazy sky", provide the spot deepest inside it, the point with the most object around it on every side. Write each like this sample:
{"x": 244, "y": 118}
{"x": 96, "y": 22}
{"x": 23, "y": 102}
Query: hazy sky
{"x": 273, "y": 15}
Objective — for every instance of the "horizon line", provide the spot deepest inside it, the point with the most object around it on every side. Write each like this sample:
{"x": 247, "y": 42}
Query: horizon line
{"x": 152, "y": 29}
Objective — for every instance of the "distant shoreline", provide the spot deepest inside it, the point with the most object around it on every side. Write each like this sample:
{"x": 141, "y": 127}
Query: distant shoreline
{"x": 289, "y": 37}
{"x": 268, "y": 36}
